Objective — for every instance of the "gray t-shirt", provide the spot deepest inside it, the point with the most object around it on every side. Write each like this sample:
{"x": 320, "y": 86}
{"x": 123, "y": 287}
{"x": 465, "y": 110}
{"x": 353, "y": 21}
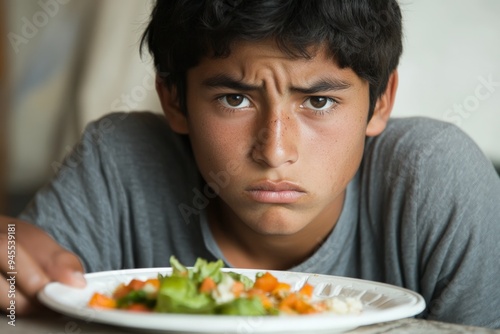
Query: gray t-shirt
{"x": 423, "y": 211}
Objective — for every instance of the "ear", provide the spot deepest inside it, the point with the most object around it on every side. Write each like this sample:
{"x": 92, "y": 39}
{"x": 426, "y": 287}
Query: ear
{"x": 383, "y": 107}
{"x": 176, "y": 119}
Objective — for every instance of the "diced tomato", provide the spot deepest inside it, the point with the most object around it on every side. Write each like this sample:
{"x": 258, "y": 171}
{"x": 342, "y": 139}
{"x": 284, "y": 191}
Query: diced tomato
{"x": 137, "y": 307}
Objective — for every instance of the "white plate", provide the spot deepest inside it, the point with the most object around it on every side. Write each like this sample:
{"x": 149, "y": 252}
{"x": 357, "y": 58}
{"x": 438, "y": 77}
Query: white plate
{"x": 381, "y": 302}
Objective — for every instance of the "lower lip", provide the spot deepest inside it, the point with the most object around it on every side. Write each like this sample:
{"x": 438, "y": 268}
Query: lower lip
{"x": 276, "y": 197}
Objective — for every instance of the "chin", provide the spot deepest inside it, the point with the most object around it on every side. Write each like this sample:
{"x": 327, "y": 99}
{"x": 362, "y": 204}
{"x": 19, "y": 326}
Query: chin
{"x": 276, "y": 227}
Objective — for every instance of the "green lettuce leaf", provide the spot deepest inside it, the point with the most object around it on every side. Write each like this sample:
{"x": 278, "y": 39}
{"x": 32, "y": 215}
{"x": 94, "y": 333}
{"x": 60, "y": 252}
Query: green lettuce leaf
{"x": 203, "y": 269}
{"x": 180, "y": 295}
{"x": 178, "y": 269}
{"x": 242, "y": 306}
{"x": 247, "y": 282}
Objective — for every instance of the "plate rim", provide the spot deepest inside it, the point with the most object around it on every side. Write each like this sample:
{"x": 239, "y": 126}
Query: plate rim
{"x": 229, "y": 324}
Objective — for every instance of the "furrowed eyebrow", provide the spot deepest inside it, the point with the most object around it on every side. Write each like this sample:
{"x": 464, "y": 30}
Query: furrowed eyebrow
{"x": 322, "y": 85}
{"x": 226, "y": 81}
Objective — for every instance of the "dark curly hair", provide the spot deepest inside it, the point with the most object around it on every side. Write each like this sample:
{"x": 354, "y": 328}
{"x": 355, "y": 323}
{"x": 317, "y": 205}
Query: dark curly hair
{"x": 364, "y": 35}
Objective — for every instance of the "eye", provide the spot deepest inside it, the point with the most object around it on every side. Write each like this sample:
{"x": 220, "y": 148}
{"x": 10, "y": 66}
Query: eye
{"x": 319, "y": 103}
{"x": 234, "y": 101}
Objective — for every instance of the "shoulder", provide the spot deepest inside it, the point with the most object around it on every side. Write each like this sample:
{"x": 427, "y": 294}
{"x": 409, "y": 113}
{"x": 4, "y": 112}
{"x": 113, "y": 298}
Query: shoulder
{"x": 424, "y": 145}
{"x": 426, "y": 165}
{"x": 433, "y": 165}
{"x": 134, "y": 133}
{"x": 410, "y": 136}
{"x": 120, "y": 125}
{"x": 137, "y": 147}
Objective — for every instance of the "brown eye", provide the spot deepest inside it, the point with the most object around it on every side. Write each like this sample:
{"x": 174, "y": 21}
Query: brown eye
{"x": 235, "y": 101}
{"x": 319, "y": 103}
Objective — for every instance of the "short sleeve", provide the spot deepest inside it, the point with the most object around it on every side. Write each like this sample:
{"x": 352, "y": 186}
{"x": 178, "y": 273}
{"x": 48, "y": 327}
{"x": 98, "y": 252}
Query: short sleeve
{"x": 78, "y": 206}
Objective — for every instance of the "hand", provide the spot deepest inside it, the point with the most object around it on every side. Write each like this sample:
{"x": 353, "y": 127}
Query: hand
{"x": 31, "y": 258}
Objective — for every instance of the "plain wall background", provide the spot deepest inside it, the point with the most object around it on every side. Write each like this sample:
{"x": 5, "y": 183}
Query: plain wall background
{"x": 77, "y": 65}
{"x": 451, "y": 47}
{"x": 83, "y": 62}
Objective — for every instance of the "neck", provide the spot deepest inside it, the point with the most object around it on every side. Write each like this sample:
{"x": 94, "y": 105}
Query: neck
{"x": 245, "y": 248}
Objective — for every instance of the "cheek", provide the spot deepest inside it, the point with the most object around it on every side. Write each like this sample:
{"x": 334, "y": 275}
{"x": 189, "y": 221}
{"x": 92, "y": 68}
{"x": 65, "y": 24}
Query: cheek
{"x": 343, "y": 151}
{"x": 216, "y": 147}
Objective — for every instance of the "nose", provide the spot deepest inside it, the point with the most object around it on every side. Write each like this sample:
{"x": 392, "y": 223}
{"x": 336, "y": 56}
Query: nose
{"x": 276, "y": 141}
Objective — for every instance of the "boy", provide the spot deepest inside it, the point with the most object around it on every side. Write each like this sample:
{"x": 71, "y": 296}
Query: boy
{"x": 276, "y": 152}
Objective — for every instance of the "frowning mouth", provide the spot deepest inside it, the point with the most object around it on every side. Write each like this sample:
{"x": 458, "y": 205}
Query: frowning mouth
{"x": 282, "y": 192}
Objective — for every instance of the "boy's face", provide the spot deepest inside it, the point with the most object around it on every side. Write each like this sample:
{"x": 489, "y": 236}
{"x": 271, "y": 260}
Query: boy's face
{"x": 279, "y": 138}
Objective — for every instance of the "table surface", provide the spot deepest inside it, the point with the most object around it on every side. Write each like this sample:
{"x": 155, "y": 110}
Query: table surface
{"x": 48, "y": 322}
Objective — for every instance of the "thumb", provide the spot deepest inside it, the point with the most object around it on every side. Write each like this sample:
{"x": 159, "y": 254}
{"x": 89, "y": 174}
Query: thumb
{"x": 66, "y": 268}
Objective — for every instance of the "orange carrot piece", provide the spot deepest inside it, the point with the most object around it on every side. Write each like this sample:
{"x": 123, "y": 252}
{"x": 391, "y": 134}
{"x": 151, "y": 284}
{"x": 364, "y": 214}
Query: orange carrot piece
{"x": 237, "y": 288}
{"x": 136, "y": 284}
{"x": 154, "y": 282}
{"x": 280, "y": 289}
{"x": 121, "y": 291}
{"x": 264, "y": 299}
{"x": 289, "y": 302}
{"x": 302, "y": 307}
{"x": 266, "y": 302}
{"x": 266, "y": 282}
{"x": 207, "y": 285}
{"x": 307, "y": 290}
{"x": 99, "y": 300}
{"x": 255, "y": 292}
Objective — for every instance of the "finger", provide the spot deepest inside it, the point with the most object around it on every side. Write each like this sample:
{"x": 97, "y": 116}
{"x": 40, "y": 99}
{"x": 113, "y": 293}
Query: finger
{"x": 59, "y": 264}
{"x": 12, "y": 300}
{"x": 21, "y": 277}
{"x": 65, "y": 267}
{"x": 28, "y": 275}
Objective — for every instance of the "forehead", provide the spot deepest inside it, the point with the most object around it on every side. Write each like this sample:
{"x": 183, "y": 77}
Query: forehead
{"x": 253, "y": 60}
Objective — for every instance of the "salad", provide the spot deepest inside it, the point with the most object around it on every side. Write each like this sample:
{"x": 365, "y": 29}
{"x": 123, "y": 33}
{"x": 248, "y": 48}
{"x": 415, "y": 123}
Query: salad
{"x": 206, "y": 289}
